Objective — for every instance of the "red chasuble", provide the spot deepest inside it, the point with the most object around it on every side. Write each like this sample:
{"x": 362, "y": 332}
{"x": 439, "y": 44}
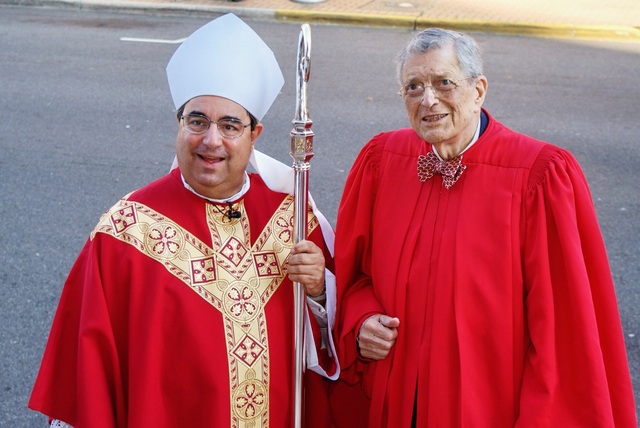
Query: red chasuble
{"x": 508, "y": 314}
{"x": 175, "y": 315}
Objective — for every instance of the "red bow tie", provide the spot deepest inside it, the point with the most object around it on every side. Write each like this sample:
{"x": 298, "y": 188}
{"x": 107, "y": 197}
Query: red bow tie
{"x": 430, "y": 164}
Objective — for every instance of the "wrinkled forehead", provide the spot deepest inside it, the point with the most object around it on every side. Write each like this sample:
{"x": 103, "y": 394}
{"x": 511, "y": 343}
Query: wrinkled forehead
{"x": 435, "y": 64}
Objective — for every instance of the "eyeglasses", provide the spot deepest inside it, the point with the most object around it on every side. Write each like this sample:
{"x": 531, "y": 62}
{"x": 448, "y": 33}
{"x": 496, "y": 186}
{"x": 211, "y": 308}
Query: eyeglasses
{"x": 199, "y": 124}
{"x": 441, "y": 88}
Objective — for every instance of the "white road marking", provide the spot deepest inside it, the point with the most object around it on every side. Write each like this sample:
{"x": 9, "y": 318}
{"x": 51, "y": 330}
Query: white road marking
{"x": 140, "y": 40}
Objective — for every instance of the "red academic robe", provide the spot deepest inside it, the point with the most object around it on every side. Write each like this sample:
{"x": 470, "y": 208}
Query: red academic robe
{"x": 150, "y": 333}
{"x": 508, "y": 314}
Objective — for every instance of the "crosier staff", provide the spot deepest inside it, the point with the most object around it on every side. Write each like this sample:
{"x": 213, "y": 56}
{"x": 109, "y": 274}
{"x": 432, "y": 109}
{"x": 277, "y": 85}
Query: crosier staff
{"x": 302, "y": 152}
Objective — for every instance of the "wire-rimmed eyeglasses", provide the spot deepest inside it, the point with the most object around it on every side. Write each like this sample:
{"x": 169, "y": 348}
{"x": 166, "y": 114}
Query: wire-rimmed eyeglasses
{"x": 441, "y": 88}
{"x": 199, "y": 124}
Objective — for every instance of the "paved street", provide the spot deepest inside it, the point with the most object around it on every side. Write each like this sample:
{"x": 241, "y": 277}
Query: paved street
{"x": 87, "y": 117}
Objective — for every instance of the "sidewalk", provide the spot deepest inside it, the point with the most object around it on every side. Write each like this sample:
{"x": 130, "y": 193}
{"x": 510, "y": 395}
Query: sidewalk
{"x": 575, "y": 19}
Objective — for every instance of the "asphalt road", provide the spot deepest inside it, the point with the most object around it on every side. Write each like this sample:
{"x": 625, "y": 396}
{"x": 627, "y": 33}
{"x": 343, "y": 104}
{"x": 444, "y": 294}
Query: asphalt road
{"x": 86, "y": 117}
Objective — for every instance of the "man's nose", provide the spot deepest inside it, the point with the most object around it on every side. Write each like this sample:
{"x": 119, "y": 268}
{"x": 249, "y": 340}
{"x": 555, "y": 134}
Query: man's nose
{"x": 429, "y": 97}
{"x": 213, "y": 135}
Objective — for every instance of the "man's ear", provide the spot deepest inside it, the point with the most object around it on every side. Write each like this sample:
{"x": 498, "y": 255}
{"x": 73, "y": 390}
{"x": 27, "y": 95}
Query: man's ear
{"x": 256, "y": 133}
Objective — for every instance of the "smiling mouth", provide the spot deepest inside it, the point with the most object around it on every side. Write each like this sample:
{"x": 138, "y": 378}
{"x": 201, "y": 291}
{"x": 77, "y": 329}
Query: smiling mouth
{"x": 211, "y": 160}
{"x": 434, "y": 118}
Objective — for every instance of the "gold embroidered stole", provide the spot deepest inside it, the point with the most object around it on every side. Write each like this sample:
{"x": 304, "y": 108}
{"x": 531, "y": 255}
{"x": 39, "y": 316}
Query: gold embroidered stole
{"x": 233, "y": 276}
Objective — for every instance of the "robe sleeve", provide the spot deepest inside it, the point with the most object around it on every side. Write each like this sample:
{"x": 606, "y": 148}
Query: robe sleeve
{"x": 576, "y": 372}
{"x": 79, "y": 379}
{"x": 356, "y": 297}
{"x": 321, "y": 355}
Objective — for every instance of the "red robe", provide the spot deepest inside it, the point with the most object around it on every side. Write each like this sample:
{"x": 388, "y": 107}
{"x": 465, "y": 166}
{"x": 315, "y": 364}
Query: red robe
{"x": 508, "y": 314}
{"x": 150, "y": 332}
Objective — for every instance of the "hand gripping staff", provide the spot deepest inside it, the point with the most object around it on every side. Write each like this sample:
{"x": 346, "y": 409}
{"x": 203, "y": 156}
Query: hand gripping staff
{"x": 302, "y": 152}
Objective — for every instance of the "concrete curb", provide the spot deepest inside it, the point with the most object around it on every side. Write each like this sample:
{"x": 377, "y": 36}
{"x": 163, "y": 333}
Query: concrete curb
{"x": 581, "y": 32}
{"x": 147, "y": 7}
{"x": 368, "y": 19}
{"x": 563, "y": 31}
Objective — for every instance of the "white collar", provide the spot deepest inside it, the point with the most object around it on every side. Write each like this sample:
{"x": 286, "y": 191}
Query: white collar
{"x": 245, "y": 188}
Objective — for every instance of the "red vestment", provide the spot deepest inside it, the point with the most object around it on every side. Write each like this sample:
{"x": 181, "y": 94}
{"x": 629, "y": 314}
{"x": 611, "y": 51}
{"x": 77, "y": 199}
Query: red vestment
{"x": 161, "y": 322}
{"x": 508, "y": 314}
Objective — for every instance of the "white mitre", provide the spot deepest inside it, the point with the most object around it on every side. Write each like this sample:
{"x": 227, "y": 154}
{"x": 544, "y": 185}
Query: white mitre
{"x": 226, "y": 58}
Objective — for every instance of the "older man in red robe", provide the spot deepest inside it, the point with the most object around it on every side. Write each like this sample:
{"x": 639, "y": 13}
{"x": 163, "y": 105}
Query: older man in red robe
{"x": 473, "y": 283}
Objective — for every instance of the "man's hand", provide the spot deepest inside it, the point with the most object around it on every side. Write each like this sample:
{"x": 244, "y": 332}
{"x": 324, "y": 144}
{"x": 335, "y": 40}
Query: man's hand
{"x": 377, "y": 336}
{"x": 306, "y": 266}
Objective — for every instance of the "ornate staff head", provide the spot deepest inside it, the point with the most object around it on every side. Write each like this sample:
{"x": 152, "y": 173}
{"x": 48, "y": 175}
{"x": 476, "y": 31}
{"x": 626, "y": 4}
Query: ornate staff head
{"x": 301, "y": 134}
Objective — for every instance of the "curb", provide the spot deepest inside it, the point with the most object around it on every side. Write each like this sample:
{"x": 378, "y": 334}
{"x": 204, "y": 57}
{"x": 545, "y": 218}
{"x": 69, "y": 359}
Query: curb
{"x": 366, "y": 19}
{"x": 562, "y": 31}
{"x": 207, "y": 11}
{"x": 580, "y": 32}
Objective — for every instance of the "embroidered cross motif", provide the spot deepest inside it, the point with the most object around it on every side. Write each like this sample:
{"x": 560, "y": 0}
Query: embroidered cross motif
{"x": 234, "y": 250}
{"x": 123, "y": 218}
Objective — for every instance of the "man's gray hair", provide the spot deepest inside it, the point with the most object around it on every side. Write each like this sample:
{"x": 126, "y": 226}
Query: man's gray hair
{"x": 467, "y": 50}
